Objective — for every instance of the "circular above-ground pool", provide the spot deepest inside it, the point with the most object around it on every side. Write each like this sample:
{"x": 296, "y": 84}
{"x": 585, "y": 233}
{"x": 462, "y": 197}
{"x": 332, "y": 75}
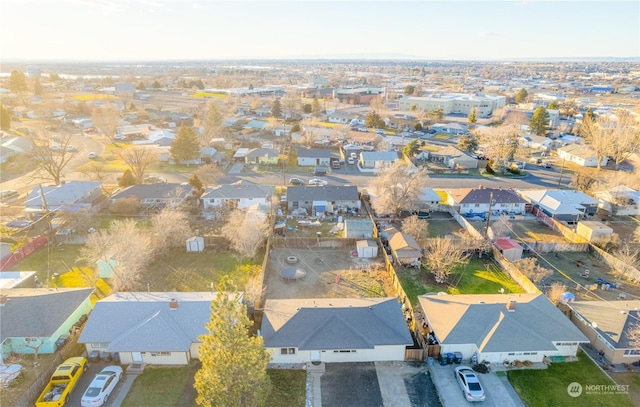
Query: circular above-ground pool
{"x": 292, "y": 259}
{"x": 292, "y": 273}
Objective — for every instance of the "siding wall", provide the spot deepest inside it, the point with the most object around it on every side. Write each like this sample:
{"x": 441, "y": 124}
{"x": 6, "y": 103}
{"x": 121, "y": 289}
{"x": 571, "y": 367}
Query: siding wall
{"x": 379, "y": 353}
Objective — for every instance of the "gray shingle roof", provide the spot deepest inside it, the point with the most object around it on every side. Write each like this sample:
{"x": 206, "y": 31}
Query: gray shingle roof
{"x": 69, "y": 193}
{"x": 238, "y": 190}
{"x": 613, "y": 320}
{"x": 315, "y": 153}
{"x": 325, "y": 193}
{"x": 483, "y": 196}
{"x": 145, "y": 191}
{"x": 483, "y": 320}
{"x": 38, "y": 312}
{"x": 334, "y": 323}
{"x": 140, "y": 322}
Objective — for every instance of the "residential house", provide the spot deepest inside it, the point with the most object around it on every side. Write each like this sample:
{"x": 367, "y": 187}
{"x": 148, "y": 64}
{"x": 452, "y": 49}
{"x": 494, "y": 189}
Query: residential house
{"x": 453, "y": 157}
{"x": 156, "y": 328}
{"x": 608, "y": 326}
{"x": 14, "y": 146}
{"x": 154, "y": 195}
{"x": 536, "y": 142}
{"x": 35, "y": 318}
{"x": 346, "y": 117}
{"x": 479, "y": 201}
{"x": 163, "y": 137}
{"x": 374, "y": 160}
{"x": 450, "y": 128}
{"x": 620, "y": 200}
{"x": 124, "y": 89}
{"x": 330, "y": 198}
{"x": 263, "y": 156}
{"x": 358, "y": 228}
{"x": 593, "y": 230}
{"x": 404, "y": 248}
{"x": 240, "y": 194}
{"x": 315, "y": 157}
{"x": 580, "y": 154}
{"x": 428, "y": 199}
{"x": 134, "y": 132}
{"x": 566, "y": 205}
{"x": 500, "y": 328}
{"x": 335, "y": 330}
{"x": 70, "y": 196}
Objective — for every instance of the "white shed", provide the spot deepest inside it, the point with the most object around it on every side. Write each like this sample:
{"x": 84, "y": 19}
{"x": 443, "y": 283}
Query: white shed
{"x": 591, "y": 229}
{"x": 367, "y": 248}
{"x": 195, "y": 244}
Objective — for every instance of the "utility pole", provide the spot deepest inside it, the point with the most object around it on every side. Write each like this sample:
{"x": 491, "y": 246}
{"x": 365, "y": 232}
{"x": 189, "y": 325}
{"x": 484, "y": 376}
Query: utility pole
{"x": 486, "y": 229}
{"x": 561, "y": 172}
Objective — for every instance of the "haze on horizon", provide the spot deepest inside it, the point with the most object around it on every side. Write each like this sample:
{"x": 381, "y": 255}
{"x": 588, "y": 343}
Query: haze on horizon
{"x": 139, "y": 30}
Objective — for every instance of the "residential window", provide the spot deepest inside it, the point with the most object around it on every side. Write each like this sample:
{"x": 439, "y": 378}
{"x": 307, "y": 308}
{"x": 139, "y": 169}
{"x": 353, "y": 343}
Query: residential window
{"x": 160, "y": 353}
{"x": 344, "y": 351}
{"x": 100, "y": 345}
{"x": 287, "y": 351}
{"x": 631, "y": 353}
{"x": 477, "y": 205}
{"x": 30, "y": 339}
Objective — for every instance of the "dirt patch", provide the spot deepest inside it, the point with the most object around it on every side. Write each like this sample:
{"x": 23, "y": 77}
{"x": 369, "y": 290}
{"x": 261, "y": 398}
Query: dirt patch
{"x": 330, "y": 273}
{"x": 533, "y": 231}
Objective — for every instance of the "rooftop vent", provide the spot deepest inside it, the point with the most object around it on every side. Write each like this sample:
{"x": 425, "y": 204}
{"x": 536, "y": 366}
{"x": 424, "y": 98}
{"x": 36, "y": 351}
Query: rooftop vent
{"x": 173, "y": 304}
{"x": 511, "y": 306}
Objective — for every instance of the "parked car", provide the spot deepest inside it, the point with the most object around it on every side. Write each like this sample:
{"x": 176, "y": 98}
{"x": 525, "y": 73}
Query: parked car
{"x": 9, "y": 195}
{"x": 154, "y": 180}
{"x": 92, "y": 155}
{"x": 318, "y": 181}
{"x": 296, "y": 181}
{"x": 101, "y": 387}
{"x": 71, "y": 148}
{"x": 54, "y": 148}
{"x": 469, "y": 383}
{"x": 422, "y": 214}
{"x": 351, "y": 160}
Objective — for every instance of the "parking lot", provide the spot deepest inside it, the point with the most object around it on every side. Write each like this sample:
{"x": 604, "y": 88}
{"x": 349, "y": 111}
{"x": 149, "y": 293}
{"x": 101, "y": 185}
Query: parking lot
{"x": 498, "y": 390}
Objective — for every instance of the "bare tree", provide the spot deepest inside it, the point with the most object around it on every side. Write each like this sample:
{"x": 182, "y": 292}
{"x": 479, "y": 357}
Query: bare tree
{"x": 633, "y": 336}
{"x": 169, "y": 228}
{"x": 377, "y": 104}
{"x": 106, "y": 119}
{"x": 418, "y": 228}
{"x": 52, "y": 158}
{"x": 290, "y": 102}
{"x": 125, "y": 248}
{"x": 209, "y": 174}
{"x": 532, "y": 270}
{"x": 246, "y": 233}
{"x": 555, "y": 292}
{"x": 501, "y": 146}
{"x": 139, "y": 159}
{"x": 80, "y": 220}
{"x": 624, "y": 137}
{"x": 442, "y": 256}
{"x": 398, "y": 187}
{"x": 95, "y": 171}
{"x": 629, "y": 261}
{"x": 595, "y": 134}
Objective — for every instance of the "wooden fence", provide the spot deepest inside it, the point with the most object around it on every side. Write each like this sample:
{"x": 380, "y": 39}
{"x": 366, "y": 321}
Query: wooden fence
{"x": 522, "y": 280}
{"x": 304, "y": 242}
{"x": 23, "y": 252}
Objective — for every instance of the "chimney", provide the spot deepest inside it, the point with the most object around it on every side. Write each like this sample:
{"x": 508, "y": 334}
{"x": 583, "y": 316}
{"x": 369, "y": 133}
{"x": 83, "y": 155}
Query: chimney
{"x": 511, "y": 306}
{"x": 173, "y": 304}
{"x": 3, "y": 300}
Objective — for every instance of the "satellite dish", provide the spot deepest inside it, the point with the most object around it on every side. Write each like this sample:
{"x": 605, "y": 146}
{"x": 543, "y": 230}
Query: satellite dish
{"x": 594, "y": 325}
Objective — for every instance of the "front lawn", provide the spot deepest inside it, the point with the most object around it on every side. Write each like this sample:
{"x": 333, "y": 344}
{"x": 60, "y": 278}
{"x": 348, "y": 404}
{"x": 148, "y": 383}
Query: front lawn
{"x": 158, "y": 387}
{"x": 473, "y": 278}
{"x": 288, "y": 388}
{"x": 549, "y": 387}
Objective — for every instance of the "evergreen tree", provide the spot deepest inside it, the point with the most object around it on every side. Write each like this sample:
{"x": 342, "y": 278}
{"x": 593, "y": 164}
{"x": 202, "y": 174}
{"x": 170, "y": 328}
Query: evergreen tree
{"x": 141, "y": 86}
{"x": 417, "y": 126}
{"x": 186, "y": 146}
{"x": 306, "y": 108}
{"x": 539, "y": 121}
{"x": 276, "y": 109}
{"x": 409, "y": 89}
{"x": 127, "y": 179}
{"x": 195, "y": 182}
{"x": 468, "y": 143}
{"x": 17, "y": 82}
{"x": 234, "y": 364}
{"x": 521, "y": 96}
{"x": 5, "y": 118}
{"x": 472, "y": 116}
{"x": 316, "y": 108}
{"x": 412, "y": 148}
{"x": 156, "y": 85}
{"x": 553, "y": 105}
{"x": 374, "y": 120}
{"x": 589, "y": 114}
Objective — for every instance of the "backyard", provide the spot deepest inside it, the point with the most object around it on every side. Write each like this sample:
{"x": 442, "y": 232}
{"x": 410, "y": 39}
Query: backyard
{"x": 479, "y": 276}
{"x": 549, "y": 387}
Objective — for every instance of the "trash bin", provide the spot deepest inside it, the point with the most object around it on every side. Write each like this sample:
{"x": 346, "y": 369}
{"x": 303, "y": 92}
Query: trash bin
{"x": 94, "y": 356}
{"x": 443, "y": 359}
{"x": 457, "y": 357}
{"x": 449, "y": 358}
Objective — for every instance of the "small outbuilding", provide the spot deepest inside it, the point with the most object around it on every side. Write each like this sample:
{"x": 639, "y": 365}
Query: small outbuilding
{"x": 593, "y": 229}
{"x": 510, "y": 249}
{"x": 367, "y": 249}
{"x": 195, "y": 244}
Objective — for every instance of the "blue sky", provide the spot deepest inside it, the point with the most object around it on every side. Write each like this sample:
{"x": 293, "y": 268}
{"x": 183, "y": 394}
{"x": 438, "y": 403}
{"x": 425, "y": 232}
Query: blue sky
{"x": 185, "y": 30}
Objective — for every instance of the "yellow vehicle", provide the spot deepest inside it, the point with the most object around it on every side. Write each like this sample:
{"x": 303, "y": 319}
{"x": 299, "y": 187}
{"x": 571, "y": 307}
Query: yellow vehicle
{"x": 62, "y": 382}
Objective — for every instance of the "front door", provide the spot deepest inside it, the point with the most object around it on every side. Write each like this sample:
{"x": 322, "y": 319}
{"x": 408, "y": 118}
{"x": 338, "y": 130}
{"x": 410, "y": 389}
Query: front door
{"x": 315, "y": 357}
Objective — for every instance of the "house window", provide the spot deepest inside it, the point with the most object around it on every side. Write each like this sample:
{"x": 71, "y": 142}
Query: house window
{"x": 30, "y": 339}
{"x": 287, "y": 351}
{"x": 631, "y": 353}
{"x": 160, "y": 353}
{"x": 344, "y": 351}
{"x": 100, "y": 345}
{"x": 477, "y": 205}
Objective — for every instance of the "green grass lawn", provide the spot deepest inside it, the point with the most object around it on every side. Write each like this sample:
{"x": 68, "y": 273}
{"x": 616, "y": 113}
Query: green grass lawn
{"x": 472, "y": 278}
{"x": 288, "y": 388}
{"x": 52, "y": 259}
{"x": 158, "y": 387}
{"x": 549, "y": 387}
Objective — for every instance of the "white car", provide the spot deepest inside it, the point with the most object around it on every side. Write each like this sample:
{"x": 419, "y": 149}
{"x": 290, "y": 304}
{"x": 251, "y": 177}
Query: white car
{"x": 318, "y": 181}
{"x": 468, "y": 380}
{"x": 54, "y": 148}
{"x": 101, "y": 387}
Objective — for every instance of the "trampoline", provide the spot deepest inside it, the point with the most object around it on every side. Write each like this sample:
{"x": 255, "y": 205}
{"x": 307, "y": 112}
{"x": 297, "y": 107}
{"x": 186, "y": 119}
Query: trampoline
{"x": 292, "y": 273}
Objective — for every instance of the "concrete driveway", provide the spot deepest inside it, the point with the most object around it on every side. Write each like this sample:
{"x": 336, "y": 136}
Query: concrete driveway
{"x": 383, "y": 384}
{"x": 85, "y": 380}
{"x": 498, "y": 389}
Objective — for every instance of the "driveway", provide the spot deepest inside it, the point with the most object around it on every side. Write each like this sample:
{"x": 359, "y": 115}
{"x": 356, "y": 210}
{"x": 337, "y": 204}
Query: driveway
{"x": 85, "y": 380}
{"x": 498, "y": 389}
{"x": 383, "y": 384}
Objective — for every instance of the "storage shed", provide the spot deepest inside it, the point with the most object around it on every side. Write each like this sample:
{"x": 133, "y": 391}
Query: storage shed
{"x": 367, "y": 249}
{"x": 510, "y": 249}
{"x": 592, "y": 229}
{"x": 195, "y": 244}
